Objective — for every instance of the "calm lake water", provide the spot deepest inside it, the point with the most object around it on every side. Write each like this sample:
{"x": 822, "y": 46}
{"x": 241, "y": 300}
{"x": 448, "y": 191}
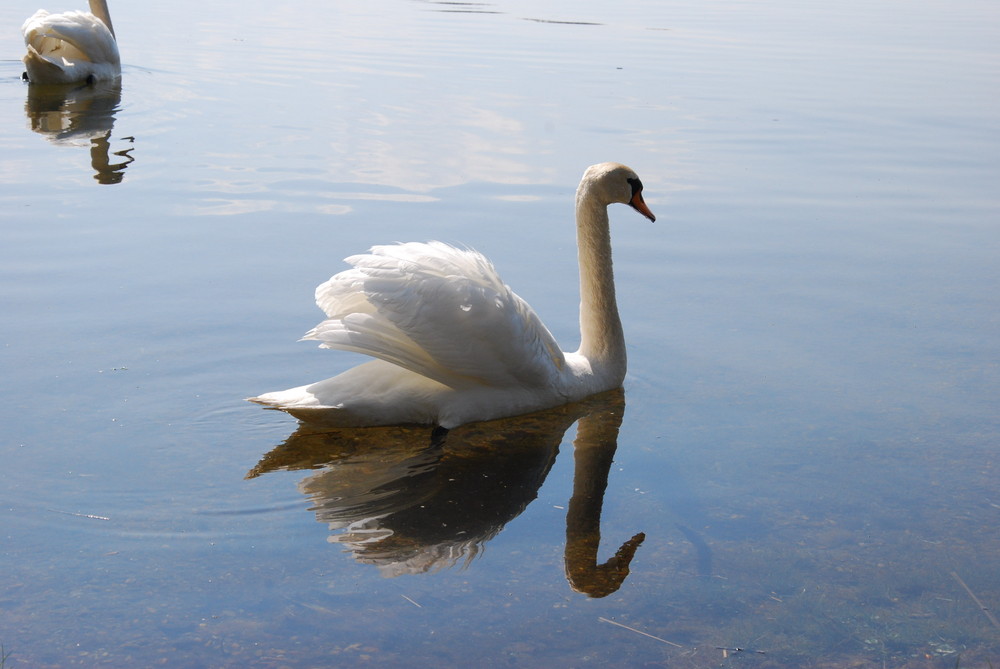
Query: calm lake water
{"x": 804, "y": 463}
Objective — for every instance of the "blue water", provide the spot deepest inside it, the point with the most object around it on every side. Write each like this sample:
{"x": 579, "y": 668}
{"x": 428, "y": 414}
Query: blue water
{"x": 808, "y": 433}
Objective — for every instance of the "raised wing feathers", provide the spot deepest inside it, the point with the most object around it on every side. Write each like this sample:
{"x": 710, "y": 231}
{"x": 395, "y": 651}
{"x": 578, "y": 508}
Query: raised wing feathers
{"x": 439, "y": 311}
{"x": 70, "y": 37}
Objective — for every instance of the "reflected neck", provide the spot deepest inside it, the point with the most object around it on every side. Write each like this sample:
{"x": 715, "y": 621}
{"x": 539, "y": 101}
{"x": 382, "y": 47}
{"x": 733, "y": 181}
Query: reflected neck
{"x": 594, "y": 450}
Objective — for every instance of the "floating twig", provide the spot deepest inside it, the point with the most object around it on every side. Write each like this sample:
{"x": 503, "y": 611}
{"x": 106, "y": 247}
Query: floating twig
{"x": 632, "y": 629}
{"x": 985, "y": 609}
{"x": 411, "y": 601}
{"x": 315, "y": 607}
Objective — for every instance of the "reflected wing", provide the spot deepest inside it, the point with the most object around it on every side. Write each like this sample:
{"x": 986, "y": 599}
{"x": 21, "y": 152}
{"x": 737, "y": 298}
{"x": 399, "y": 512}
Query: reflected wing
{"x": 439, "y": 311}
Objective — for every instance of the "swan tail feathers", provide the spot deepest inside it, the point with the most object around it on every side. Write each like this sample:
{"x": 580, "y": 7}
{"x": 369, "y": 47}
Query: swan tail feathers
{"x": 40, "y": 68}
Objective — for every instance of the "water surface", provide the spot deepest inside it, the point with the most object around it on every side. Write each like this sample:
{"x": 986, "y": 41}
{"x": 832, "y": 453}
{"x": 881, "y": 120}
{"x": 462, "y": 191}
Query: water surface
{"x": 804, "y": 458}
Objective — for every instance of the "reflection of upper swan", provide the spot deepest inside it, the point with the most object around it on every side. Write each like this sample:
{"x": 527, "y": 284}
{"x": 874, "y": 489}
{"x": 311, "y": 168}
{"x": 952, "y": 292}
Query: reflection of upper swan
{"x": 412, "y": 500}
{"x": 71, "y": 47}
{"x": 81, "y": 115}
{"x": 454, "y": 343}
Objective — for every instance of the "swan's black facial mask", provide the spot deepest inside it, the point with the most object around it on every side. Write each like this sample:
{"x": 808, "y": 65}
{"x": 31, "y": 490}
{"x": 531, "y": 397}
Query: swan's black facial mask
{"x": 636, "y": 202}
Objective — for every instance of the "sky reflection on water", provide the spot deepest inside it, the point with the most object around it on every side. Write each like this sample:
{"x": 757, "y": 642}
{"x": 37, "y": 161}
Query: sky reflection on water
{"x": 810, "y": 441}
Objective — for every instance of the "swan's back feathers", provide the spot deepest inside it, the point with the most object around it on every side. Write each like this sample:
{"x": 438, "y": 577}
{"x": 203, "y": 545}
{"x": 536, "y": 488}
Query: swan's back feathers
{"x": 62, "y": 46}
{"x": 439, "y": 311}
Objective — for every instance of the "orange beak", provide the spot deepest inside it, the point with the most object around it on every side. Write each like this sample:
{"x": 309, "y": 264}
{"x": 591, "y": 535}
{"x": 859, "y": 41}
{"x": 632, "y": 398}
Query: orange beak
{"x": 639, "y": 205}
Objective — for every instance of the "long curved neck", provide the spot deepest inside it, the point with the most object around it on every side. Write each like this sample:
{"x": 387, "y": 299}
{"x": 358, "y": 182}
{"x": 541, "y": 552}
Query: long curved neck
{"x": 99, "y": 8}
{"x": 601, "y": 338}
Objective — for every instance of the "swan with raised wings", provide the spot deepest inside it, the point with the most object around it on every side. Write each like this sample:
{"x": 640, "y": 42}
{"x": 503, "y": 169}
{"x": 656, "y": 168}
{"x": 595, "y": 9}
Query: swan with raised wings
{"x": 453, "y": 343}
{"x": 72, "y": 47}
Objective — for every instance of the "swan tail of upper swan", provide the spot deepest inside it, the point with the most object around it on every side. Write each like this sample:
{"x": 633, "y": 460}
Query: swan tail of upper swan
{"x": 41, "y": 69}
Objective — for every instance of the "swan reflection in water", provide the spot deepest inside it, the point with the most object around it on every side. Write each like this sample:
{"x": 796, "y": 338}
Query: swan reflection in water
{"x": 81, "y": 115}
{"x": 415, "y": 499}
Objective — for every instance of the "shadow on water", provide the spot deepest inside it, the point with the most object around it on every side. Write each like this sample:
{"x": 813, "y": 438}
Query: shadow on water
{"x": 415, "y": 499}
{"x": 78, "y": 115}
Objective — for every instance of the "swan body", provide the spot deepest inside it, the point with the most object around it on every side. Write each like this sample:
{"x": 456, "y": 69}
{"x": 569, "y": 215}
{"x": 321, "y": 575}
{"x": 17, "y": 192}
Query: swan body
{"x": 454, "y": 344}
{"x": 71, "y": 47}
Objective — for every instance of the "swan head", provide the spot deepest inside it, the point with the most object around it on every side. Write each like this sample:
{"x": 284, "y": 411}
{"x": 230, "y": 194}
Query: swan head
{"x": 614, "y": 182}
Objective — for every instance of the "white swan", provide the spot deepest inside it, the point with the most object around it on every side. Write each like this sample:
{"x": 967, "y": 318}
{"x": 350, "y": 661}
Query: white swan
{"x": 71, "y": 47}
{"x": 456, "y": 345}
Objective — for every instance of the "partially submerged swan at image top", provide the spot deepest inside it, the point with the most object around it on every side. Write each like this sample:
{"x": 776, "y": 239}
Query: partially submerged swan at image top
{"x": 453, "y": 343}
{"x": 72, "y": 47}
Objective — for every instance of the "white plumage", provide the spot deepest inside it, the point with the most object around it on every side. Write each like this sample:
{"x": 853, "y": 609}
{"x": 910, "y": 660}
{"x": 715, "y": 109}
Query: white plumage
{"x": 397, "y": 300}
{"x": 71, "y": 47}
{"x": 453, "y": 343}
